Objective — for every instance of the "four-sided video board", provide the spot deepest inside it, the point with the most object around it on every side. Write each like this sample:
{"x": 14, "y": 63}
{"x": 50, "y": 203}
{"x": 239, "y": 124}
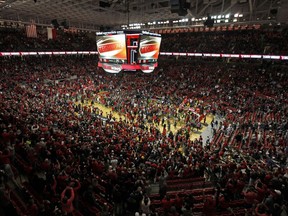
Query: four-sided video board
{"x": 128, "y": 50}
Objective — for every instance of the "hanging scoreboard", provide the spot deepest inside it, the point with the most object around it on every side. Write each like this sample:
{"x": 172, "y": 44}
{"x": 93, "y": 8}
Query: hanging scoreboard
{"x": 128, "y": 50}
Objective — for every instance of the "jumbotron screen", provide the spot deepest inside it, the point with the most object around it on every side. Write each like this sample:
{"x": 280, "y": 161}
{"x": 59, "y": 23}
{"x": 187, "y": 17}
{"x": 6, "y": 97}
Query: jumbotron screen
{"x": 149, "y": 47}
{"x": 112, "y": 46}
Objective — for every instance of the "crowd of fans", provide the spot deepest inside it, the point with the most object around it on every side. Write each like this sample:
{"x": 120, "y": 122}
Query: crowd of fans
{"x": 15, "y": 39}
{"x": 238, "y": 42}
{"x": 72, "y": 153}
{"x": 268, "y": 41}
{"x": 78, "y": 159}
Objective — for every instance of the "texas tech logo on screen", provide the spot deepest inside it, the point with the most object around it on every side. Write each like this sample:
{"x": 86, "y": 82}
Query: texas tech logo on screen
{"x": 149, "y": 48}
{"x": 109, "y": 45}
{"x": 112, "y": 47}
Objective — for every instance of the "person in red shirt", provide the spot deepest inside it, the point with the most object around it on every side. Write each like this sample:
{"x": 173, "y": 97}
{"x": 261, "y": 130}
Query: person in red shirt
{"x": 5, "y": 162}
{"x": 32, "y": 208}
{"x": 261, "y": 210}
{"x": 76, "y": 186}
{"x": 61, "y": 180}
{"x": 178, "y": 202}
{"x": 261, "y": 191}
{"x": 166, "y": 204}
{"x": 209, "y": 205}
{"x": 250, "y": 197}
{"x": 67, "y": 201}
{"x": 5, "y": 136}
{"x": 223, "y": 202}
{"x": 5, "y": 157}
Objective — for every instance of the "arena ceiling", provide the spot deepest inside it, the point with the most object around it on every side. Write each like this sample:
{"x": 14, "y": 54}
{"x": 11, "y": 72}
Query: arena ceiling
{"x": 92, "y": 14}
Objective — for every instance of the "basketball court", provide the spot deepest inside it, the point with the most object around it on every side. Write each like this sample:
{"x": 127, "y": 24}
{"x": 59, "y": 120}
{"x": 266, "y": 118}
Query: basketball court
{"x": 180, "y": 124}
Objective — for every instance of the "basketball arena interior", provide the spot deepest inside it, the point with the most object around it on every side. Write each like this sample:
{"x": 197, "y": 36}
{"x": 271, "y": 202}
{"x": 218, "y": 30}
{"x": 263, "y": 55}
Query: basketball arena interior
{"x": 143, "y": 107}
